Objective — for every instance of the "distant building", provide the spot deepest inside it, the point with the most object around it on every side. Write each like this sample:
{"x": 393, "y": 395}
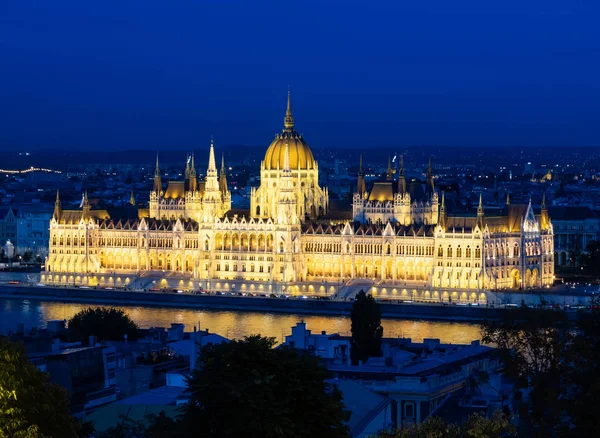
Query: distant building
{"x": 33, "y": 229}
{"x": 574, "y": 229}
{"x": 8, "y": 225}
{"x": 327, "y": 346}
{"x": 418, "y": 377}
{"x": 370, "y": 412}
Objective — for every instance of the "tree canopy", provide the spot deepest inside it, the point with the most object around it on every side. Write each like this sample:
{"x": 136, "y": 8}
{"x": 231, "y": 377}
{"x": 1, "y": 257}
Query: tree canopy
{"x": 107, "y": 324}
{"x": 366, "y": 328}
{"x": 248, "y": 388}
{"x": 555, "y": 363}
{"x": 30, "y": 406}
{"x": 591, "y": 258}
{"x": 476, "y": 426}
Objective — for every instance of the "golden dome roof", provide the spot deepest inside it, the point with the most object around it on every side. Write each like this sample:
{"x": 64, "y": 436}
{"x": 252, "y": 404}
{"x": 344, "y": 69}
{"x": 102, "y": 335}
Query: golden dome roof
{"x": 301, "y": 157}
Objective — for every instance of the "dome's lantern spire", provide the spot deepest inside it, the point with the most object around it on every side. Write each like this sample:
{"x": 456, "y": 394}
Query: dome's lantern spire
{"x": 288, "y": 121}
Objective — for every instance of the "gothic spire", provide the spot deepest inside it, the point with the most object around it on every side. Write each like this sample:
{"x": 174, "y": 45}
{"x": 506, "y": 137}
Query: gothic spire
{"x": 85, "y": 203}
{"x": 193, "y": 185}
{"x": 390, "y": 172}
{"x": 157, "y": 181}
{"x": 361, "y": 187}
{"x": 507, "y": 198}
{"x": 132, "y": 199}
{"x": 288, "y": 121}
{"x": 402, "y": 178}
{"x": 187, "y": 166}
{"x": 544, "y": 219}
{"x": 57, "y": 207}
{"x": 223, "y": 176}
{"x": 480, "y": 211}
{"x": 443, "y": 211}
{"x": 212, "y": 166}
{"x": 429, "y": 183}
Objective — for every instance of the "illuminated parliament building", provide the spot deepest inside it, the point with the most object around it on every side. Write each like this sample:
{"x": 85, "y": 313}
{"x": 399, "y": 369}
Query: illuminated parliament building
{"x": 395, "y": 235}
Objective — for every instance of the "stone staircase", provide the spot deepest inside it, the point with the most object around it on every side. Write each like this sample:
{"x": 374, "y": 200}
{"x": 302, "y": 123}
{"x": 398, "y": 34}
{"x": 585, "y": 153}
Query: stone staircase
{"x": 352, "y": 287}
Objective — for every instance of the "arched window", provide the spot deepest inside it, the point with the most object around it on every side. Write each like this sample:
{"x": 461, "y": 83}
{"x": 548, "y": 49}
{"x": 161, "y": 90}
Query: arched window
{"x": 440, "y": 251}
{"x": 449, "y": 253}
{"x": 477, "y": 252}
{"x": 516, "y": 250}
{"x": 468, "y": 252}
{"x": 258, "y": 210}
{"x": 459, "y": 251}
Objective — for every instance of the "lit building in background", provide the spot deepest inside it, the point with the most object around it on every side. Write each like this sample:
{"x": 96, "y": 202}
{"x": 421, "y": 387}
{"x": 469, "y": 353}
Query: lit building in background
{"x": 395, "y": 234}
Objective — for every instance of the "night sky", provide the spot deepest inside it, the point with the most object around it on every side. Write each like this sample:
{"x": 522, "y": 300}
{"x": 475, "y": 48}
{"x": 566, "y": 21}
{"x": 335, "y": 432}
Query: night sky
{"x": 168, "y": 74}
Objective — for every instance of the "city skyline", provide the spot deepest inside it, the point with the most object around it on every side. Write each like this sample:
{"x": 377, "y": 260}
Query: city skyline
{"x": 396, "y": 75}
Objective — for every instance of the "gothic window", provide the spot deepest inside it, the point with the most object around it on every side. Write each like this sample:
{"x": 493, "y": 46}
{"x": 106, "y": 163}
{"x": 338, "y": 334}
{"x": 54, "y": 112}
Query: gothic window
{"x": 449, "y": 254}
{"x": 477, "y": 252}
{"x": 440, "y": 251}
{"x": 468, "y": 252}
{"x": 516, "y": 250}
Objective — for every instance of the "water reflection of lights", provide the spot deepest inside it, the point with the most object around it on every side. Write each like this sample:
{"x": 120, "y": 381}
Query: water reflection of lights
{"x": 237, "y": 324}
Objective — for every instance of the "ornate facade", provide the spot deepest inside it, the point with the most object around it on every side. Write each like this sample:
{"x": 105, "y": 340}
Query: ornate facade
{"x": 396, "y": 232}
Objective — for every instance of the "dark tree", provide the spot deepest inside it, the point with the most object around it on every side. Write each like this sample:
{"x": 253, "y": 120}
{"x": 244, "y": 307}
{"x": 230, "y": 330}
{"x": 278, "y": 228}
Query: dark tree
{"x": 27, "y": 256}
{"x": 591, "y": 258}
{"x": 532, "y": 343}
{"x": 31, "y": 406}
{"x": 107, "y": 324}
{"x": 476, "y": 426}
{"x": 366, "y": 328}
{"x": 582, "y": 376}
{"x": 247, "y": 388}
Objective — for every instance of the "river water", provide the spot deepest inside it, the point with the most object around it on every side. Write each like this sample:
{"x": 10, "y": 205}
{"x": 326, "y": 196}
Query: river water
{"x": 232, "y": 324}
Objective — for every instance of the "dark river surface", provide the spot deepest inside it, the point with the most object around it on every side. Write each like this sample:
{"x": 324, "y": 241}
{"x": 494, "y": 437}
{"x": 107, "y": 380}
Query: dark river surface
{"x": 232, "y": 324}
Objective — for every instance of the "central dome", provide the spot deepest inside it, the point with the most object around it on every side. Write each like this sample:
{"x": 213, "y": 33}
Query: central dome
{"x": 301, "y": 157}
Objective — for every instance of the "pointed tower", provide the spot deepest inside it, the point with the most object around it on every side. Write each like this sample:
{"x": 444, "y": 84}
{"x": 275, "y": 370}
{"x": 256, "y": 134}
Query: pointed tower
{"x": 507, "y": 198}
{"x": 211, "y": 199}
{"x": 86, "y": 205}
{"x": 157, "y": 181}
{"x": 544, "y": 219}
{"x": 530, "y": 224}
{"x": 442, "y": 220}
{"x": 430, "y": 189}
{"x": 57, "y": 208}
{"x": 480, "y": 214}
{"x": 361, "y": 187}
{"x": 223, "y": 177}
{"x": 288, "y": 121}
{"x": 390, "y": 172}
{"x": 402, "y": 178}
{"x": 193, "y": 184}
{"x": 187, "y": 167}
{"x": 131, "y": 199}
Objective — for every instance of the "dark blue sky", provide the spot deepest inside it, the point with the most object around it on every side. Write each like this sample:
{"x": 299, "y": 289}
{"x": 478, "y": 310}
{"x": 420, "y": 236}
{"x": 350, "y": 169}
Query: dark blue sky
{"x": 165, "y": 74}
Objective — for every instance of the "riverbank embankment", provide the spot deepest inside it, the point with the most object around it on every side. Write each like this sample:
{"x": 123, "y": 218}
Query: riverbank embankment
{"x": 418, "y": 311}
